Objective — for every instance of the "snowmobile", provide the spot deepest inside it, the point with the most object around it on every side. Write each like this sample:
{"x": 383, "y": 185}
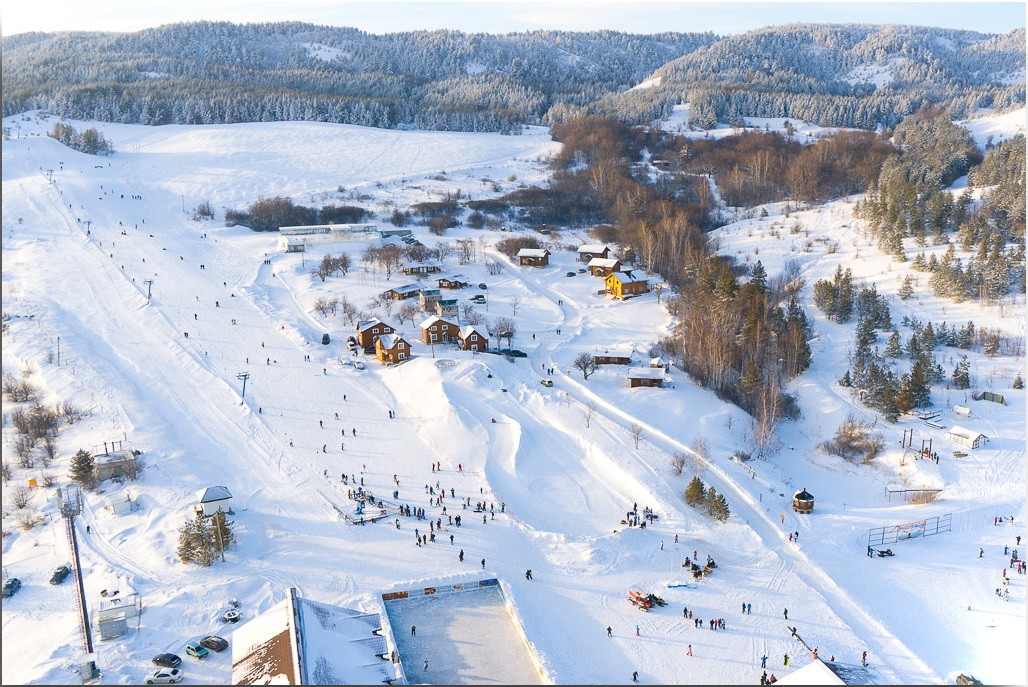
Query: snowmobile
{"x": 654, "y": 599}
{"x": 882, "y": 553}
{"x": 636, "y": 597}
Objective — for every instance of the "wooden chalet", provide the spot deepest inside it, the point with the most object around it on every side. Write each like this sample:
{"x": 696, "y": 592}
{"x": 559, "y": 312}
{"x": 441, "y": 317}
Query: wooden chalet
{"x": 533, "y": 257}
{"x": 420, "y": 268}
{"x": 613, "y": 357}
{"x": 368, "y": 330}
{"x": 472, "y": 339}
{"x": 399, "y": 293}
{"x": 391, "y": 349}
{"x": 645, "y": 376}
{"x": 626, "y": 284}
{"x": 601, "y": 267}
{"x": 437, "y": 330}
{"x": 592, "y": 250}
{"x": 452, "y": 281}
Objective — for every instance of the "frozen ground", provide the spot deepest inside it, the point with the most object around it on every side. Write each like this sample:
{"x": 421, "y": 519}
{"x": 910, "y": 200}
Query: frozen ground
{"x": 76, "y": 259}
{"x": 467, "y": 638}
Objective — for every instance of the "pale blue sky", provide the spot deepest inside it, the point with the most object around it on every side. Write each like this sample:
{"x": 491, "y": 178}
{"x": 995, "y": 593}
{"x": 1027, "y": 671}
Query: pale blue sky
{"x": 19, "y": 16}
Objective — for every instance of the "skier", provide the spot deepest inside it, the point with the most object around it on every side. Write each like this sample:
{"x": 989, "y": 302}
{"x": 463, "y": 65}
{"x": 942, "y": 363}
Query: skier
{"x": 787, "y": 660}
{"x": 863, "y": 659}
{"x": 688, "y": 651}
{"x": 749, "y": 609}
{"x": 483, "y": 564}
{"x": 981, "y": 552}
{"x": 744, "y": 609}
{"x": 637, "y": 631}
{"x": 451, "y": 540}
{"x": 528, "y": 574}
{"x": 610, "y": 632}
{"x": 413, "y": 630}
{"x": 786, "y": 613}
{"x": 460, "y": 556}
{"x": 763, "y": 661}
{"x": 426, "y": 665}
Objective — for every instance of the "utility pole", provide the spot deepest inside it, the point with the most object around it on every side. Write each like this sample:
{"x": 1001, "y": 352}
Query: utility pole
{"x": 58, "y": 351}
{"x": 183, "y": 204}
{"x": 149, "y": 283}
{"x": 243, "y": 376}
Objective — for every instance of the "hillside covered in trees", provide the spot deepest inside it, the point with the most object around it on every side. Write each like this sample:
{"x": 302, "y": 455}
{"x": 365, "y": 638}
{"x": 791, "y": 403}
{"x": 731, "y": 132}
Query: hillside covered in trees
{"x": 216, "y": 72}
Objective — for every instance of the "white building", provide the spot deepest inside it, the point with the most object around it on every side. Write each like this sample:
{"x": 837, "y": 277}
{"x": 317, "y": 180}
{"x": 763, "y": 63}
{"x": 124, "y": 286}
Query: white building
{"x": 213, "y": 499}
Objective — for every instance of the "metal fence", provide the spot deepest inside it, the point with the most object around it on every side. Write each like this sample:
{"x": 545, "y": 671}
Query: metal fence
{"x": 911, "y": 530}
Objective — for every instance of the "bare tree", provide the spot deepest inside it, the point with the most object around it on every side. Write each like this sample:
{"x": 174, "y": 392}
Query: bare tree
{"x": 407, "y": 311}
{"x": 589, "y": 412}
{"x": 321, "y": 307}
{"x": 49, "y": 451}
{"x": 6, "y": 471}
{"x": 324, "y": 268}
{"x": 586, "y": 363}
{"x": 20, "y": 497}
{"x": 505, "y": 328}
{"x": 342, "y": 263}
{"x": 23, "y": 445}
{"x": 636, "y": 431}
{"x": 470, "y": 314}
{"x": 514, "y": 303}
{"x": 678, "y": 461}
{"x": 700, "y": 448}
{"x": 465, "y": 251}
{"x": 348, "y": 310}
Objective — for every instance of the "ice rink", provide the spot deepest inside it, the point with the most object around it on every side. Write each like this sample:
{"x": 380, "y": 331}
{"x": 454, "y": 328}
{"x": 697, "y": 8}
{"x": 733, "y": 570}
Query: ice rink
{"x": 467, "y": 637}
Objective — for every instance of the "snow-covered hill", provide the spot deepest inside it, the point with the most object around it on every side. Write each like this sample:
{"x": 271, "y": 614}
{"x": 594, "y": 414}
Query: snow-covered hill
{"x": 83, "y": 237}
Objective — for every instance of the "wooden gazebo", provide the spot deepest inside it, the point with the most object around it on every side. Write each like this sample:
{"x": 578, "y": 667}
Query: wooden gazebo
{"x": 803, "y": 501}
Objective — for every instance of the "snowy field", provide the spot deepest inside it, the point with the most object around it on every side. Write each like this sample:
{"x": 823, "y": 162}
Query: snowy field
{"x": 82, "y": 236}
{"x": 466, "y": 638}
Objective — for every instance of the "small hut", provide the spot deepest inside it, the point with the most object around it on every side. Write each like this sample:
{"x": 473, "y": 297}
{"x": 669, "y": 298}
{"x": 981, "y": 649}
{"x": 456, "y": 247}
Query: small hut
{"x": 803, "y": 501}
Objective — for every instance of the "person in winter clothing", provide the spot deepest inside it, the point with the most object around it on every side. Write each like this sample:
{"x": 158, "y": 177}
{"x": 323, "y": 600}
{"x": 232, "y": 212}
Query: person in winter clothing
{"x": 413, "y": 630}
{"x": 610, "y": 632}
{"x": 460, "y": 556}
{"x": 483, "y": 564}
{"x": 787, "y": 660}
{"x": 636, "y": 630}
{"x": 786, "y": 613}
{"x": 749, "y": 609}
{"x": 763, "y": 661}
{"x": 635, "y": 676}
{"x": 863, "y": 659}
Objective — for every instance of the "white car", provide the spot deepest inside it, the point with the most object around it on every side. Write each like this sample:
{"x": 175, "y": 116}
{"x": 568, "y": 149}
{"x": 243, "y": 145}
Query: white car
{"x": 164, "y": 676}
{"x": 358, "y": 365}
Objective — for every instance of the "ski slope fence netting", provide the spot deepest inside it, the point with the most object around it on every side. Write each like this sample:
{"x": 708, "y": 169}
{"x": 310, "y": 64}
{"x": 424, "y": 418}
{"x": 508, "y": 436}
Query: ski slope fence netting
{"x": 467, "y": 633}
{"x": 891, "y": 534}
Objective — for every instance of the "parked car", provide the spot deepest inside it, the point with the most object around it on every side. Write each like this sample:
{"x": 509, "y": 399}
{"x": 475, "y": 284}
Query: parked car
{"x": 569, "y": 274}
{"x": 165, "y": 676}
{"x": 61, "y": 573}
{"x": 231, "y": 616}
{"x": 11, "y": 587}
{"x": 166, "y": 660}
{"x": 326, "y": 339}
{"x": 582, "y": 270}
{"x": 196, "y": 650}
{"x": 546, "y": 382}
{"x": 483, "y": 286}
{"x": 214, "y": 643}
{"x": 358, "y": 365}
{"x": 513, "y": 353}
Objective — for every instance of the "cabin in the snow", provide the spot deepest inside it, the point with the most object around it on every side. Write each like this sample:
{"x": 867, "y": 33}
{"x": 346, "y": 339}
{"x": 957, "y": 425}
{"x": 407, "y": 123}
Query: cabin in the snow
{"x": 472, "y": 339}
{"x": 369, "y": 330}
{"x": 452, "y": 281}
{"x": 533, "y": 257}
{"x": 437, "y": 330}
{"x": 611, "y": 356}
{"x": 391, "y": 349}
{"x": 115, "y": 465}
{"x": 428, "y": 299}
{"x": 399, "y": 293}
{"x": 590, "y": 251}
{"x": 213, "y": 499}
{"x": 601, "y": 267}
{"x": 803, "y": 501}
{"x": 645, "y": 376}
{"x": 626, "y": 284}
{"x": 420, "y": 268}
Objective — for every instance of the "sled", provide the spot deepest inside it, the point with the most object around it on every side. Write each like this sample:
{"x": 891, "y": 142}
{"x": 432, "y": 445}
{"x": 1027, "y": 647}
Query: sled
{"x": 636, "y": 597}
{"x": 681, "y": 586}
